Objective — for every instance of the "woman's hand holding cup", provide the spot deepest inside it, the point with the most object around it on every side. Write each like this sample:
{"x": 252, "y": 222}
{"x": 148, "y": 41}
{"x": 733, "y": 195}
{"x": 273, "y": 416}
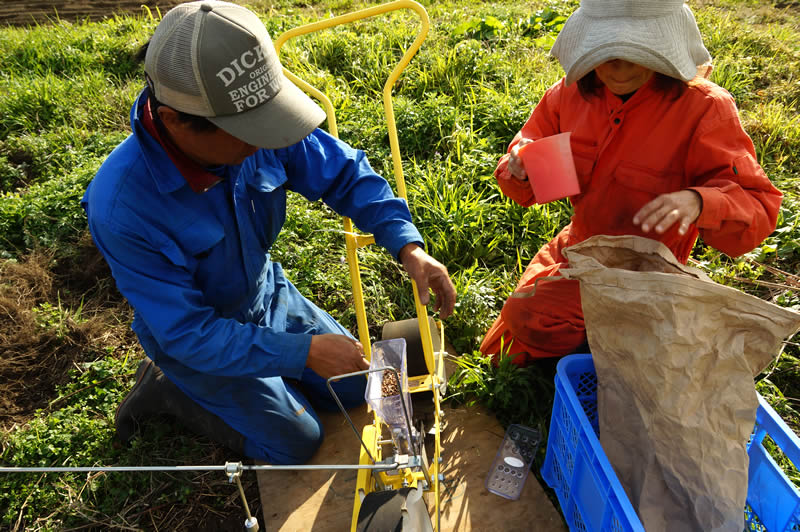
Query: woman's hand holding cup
{"x": 515, "y": 165}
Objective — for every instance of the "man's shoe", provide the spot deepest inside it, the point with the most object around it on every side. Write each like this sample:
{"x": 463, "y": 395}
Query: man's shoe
{"x": 139, "y": 401}
{"x": 154, "y": 394}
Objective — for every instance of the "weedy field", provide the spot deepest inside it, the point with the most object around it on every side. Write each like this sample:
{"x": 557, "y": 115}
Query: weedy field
{"x": 67, "y": 355}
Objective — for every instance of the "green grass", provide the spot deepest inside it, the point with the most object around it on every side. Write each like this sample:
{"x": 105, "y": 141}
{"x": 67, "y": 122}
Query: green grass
{"x": 65, "y": 92}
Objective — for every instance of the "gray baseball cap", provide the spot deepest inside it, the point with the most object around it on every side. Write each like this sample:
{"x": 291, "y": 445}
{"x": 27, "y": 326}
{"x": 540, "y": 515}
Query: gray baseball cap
{"x": 215, "y": 59}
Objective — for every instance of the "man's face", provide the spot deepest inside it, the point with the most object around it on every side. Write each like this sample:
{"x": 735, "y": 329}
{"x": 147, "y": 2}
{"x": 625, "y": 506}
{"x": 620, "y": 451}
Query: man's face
{"x": 208, "y": 148}
{"x": 218, "y": 148}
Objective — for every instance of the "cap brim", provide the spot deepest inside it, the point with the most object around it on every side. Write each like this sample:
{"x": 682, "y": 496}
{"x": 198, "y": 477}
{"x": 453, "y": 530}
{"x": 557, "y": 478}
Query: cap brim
{"x": 286, "y": 119}
{"x": 640, "y": 55}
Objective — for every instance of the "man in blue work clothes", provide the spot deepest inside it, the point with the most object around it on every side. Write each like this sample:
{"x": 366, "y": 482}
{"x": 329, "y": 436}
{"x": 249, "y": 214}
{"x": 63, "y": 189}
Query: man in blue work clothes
{"x": 185, "y": 211}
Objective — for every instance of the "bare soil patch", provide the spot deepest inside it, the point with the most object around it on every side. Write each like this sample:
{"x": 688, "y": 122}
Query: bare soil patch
{"x": 31, "y": 12}
{"x": 52, "y": 317}
{"x": 38, "y": 348}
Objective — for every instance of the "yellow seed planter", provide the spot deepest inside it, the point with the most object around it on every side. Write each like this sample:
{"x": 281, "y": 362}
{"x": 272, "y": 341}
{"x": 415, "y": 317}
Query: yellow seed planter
{"x": 420, "y": 471}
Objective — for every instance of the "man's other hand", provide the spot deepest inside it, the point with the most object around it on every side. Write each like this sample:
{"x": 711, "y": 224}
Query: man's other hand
{"x": 429, "y": 274}
{"x": 335, "y": 354}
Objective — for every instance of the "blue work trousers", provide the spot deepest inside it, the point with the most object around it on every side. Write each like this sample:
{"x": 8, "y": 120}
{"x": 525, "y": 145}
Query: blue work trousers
{"x": 275, "y": 414}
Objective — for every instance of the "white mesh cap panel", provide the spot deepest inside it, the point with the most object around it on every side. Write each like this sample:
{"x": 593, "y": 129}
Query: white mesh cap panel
{"x": 173, "y": 71}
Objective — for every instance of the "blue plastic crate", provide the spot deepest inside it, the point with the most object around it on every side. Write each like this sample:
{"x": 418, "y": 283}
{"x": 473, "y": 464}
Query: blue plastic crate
{"x": 590, "y": 495}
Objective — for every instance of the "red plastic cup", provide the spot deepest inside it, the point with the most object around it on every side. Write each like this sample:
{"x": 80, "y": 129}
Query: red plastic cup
{"x": 550, "y": 168}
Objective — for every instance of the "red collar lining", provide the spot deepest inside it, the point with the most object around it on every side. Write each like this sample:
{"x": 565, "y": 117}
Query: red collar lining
{"x": 199, "y": 179}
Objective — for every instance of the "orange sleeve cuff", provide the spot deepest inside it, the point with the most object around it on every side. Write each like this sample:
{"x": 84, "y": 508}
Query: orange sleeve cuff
{"x": 519, "y": 191}
{"x": 710, "y": 215}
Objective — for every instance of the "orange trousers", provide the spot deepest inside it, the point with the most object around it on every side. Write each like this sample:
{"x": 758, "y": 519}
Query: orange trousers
{"x": 543, "y": 317}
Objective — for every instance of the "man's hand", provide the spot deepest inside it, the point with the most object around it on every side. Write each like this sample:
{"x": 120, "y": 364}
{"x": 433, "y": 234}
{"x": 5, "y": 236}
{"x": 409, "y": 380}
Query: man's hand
{"x": 335, "y": 354}
{"x": 515, "y": 166}
{"x": 429, "y": 274}
{"x": 660, "y": 214}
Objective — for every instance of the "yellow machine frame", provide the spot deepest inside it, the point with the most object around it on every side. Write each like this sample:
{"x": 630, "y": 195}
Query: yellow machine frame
{"x": 435, "y": 380}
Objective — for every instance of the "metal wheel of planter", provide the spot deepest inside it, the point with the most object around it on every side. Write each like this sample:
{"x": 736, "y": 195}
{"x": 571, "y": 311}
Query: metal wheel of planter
{"x": 402, "y": 510}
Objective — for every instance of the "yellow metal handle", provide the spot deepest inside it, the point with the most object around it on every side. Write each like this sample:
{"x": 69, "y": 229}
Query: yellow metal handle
{"x": 352, "y": 240}
{"x": 388, "y": 110}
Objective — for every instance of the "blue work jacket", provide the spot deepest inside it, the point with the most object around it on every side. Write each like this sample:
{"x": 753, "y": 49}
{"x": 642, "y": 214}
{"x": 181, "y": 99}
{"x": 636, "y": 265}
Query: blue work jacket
{"x": 196, "y": 266}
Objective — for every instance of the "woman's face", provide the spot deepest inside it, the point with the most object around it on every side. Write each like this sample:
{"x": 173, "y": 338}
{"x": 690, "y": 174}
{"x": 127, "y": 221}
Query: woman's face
{"x": 622, "y": 77}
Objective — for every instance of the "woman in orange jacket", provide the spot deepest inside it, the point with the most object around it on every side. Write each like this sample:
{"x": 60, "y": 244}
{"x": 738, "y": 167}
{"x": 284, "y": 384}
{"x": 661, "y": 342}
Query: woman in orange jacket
{"x": 659, "y": 152}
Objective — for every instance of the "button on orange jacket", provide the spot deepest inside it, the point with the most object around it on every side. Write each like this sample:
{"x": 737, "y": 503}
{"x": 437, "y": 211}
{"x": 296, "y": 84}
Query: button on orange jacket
{"x": 626, "y": 154}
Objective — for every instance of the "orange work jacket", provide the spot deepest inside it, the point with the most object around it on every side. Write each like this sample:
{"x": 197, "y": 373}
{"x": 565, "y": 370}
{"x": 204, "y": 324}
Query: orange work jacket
{"x": 626, "y": 154}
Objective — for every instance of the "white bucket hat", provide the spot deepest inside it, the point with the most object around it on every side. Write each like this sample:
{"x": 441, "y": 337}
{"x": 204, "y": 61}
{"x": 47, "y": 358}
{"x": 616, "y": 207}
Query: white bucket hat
{"x": 661, "y": 35}
{"x": 216, "y": 59}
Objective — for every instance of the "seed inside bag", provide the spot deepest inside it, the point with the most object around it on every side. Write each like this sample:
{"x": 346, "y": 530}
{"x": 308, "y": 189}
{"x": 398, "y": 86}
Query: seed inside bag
{"x": 389, "y": 385}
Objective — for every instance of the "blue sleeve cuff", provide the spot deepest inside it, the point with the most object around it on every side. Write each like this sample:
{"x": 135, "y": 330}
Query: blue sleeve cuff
{"x": 295, "y": 355}
{"x": 397, "y": 236}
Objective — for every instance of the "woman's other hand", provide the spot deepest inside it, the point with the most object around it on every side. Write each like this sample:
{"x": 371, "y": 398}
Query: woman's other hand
{"x": 515, "y": 166}
{"x": 660, "y": 214}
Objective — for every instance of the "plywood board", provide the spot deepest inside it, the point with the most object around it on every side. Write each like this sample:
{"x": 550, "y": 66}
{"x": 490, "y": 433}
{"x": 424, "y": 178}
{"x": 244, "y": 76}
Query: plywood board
{"x": 470, "y": 439}
{"x": 322, "y": 501}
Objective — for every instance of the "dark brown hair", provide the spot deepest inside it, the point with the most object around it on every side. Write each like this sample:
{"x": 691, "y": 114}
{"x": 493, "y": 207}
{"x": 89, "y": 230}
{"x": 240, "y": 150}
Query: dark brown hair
{"x": 590, "y": 85}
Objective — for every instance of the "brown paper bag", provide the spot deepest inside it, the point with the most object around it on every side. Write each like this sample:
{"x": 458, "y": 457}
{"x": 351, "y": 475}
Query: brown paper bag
{"x": 675, "y": 355}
